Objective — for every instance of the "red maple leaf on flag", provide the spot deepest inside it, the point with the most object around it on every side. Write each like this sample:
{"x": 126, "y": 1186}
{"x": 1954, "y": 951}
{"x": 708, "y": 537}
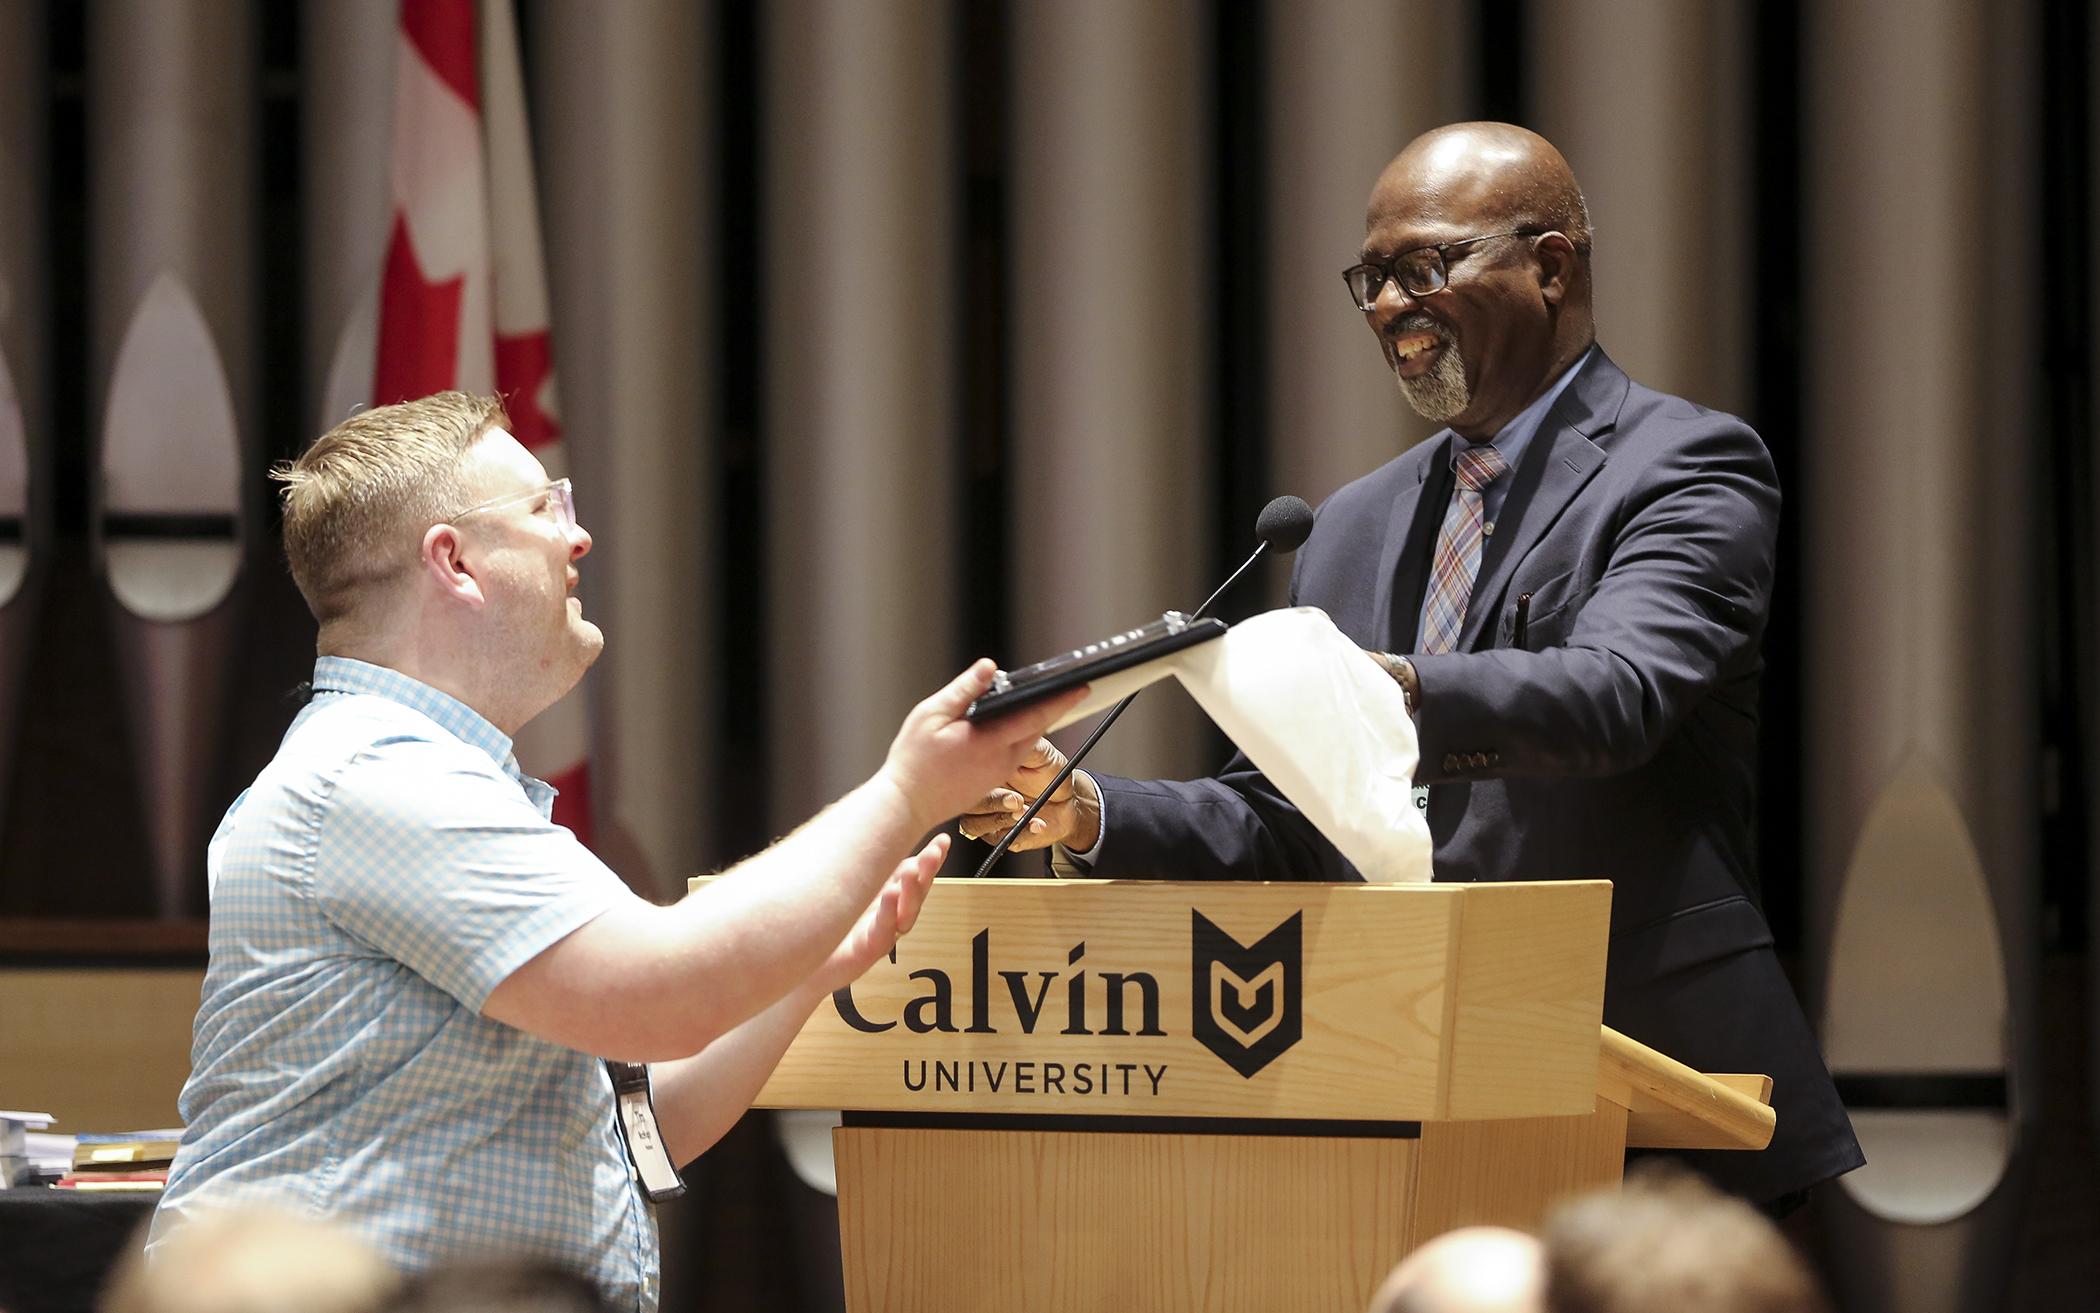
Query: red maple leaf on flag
{"x": 442, "y": 31}
{"x": 418, "y": 326}
{"x": 524, "y": 363}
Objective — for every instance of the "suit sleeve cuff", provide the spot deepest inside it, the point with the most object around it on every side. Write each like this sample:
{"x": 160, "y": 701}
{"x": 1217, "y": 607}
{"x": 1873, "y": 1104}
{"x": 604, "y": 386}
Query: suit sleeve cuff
{"x": 1068, "y": 865}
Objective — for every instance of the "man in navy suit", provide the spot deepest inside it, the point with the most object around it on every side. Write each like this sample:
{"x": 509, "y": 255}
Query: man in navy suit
{"x": 1570, "y": 585}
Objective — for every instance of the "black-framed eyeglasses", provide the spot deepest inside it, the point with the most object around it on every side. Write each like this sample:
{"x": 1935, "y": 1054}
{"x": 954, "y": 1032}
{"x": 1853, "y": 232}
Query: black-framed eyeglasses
{"x": 1420, "y": 272}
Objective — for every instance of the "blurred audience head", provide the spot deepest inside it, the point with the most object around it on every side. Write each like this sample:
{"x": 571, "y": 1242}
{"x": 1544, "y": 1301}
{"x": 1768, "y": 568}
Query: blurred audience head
{"x": 1669, "y": 1242}
{"x": 1477, "y": 1269}
{"x": 499, "y": 1286}
{"x": 253, "y": 1260}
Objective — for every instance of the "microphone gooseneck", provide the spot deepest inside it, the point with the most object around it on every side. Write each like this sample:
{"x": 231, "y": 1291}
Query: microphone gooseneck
{"x": 1284, "y": 524}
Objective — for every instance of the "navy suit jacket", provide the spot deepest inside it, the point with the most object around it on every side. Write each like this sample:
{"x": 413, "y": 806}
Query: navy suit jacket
{"x": 1614, "y": 737}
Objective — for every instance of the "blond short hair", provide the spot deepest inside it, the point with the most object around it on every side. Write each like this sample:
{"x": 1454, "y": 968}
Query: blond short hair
{"x": 253, "y": 1259}
{"x": 356, "y": 501}
{"x": 1669, "y": 1242}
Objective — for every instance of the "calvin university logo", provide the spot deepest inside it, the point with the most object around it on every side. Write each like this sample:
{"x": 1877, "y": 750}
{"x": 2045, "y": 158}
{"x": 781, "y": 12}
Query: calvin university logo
{"x": 1247, "y": 996}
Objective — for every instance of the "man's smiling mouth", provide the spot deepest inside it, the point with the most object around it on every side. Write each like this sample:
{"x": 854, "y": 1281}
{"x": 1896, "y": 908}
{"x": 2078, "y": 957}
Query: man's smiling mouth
{"x": 1413, "y": 353}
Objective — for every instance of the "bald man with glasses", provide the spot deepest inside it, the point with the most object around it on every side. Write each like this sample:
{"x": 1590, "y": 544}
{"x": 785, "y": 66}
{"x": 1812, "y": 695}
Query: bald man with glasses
{"x": 1570, "y": 584}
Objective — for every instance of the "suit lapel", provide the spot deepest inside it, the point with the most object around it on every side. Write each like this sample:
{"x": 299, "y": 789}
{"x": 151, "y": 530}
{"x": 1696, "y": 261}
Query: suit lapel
{"x": 1563, "y": 456}
{"x": 1410, "y": 539}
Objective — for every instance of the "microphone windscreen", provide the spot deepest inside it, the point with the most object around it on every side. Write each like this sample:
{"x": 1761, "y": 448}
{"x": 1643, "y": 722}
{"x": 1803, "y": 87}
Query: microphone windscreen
{"x": 1285, "y": 524}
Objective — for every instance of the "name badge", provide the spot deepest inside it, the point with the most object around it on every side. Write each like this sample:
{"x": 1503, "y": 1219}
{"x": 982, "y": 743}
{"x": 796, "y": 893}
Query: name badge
{"x": 636, "y": 1118}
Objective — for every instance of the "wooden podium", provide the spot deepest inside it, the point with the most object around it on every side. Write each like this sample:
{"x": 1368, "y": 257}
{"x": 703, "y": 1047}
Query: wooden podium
{"x": 1157, "y": 1095}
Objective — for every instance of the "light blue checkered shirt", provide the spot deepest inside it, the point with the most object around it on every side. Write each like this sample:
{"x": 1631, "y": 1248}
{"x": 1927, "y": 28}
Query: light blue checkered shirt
{"x": 385, "y": 872}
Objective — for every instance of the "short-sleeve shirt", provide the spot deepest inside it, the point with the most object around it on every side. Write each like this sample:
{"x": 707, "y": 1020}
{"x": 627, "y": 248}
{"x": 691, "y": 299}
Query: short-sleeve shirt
{"x": 385, "y": 872}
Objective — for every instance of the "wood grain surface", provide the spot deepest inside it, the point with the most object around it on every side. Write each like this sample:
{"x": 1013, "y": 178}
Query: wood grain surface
{"x": 1049, "y": 1222}
{"x": 1510, "y": 1173}
{"x": 1418, "y": 1002}
{"x": 1671, "y": 1106}
{"x": 102, "y": 1049}
{"x": 1529, "y": 997}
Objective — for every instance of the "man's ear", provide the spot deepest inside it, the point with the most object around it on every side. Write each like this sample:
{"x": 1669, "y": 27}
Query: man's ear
{"x": 443, "y": 561}
{"x": 1558, "y": 261}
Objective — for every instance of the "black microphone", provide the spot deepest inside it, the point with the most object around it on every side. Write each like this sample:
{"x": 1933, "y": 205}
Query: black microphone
{"x": 1283, "y": 524}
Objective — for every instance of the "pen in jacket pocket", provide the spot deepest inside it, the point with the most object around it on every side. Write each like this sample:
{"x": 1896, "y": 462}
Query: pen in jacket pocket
{"x": 1523, "y": 616}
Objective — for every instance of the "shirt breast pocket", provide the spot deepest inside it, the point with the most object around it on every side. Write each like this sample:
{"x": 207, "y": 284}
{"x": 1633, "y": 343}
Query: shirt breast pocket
{"x": 1540, "y": 615}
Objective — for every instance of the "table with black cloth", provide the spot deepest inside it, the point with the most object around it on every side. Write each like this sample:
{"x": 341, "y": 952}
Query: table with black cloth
{"x": 58, "y": 1247}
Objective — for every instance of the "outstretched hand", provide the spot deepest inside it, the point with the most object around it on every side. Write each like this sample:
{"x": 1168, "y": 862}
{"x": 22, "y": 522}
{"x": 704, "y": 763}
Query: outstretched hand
{"x": 893, "y": 912}
{"x": 942, "y": 763}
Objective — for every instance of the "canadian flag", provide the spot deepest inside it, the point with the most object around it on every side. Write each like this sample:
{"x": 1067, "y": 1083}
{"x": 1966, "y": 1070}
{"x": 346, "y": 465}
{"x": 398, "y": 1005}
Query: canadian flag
{"x": 461, "y": 299}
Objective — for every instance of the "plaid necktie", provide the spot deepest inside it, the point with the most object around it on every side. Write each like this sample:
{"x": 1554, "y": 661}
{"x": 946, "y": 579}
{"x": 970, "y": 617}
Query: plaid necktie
{"x": 1458, "y": 550}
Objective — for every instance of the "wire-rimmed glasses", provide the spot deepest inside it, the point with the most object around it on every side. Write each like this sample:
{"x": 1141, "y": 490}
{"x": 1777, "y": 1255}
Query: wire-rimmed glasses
{"x": 561, "y": 500}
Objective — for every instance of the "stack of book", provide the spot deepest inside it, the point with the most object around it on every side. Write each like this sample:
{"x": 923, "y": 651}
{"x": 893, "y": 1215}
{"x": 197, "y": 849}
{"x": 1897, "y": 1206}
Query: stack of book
{"x": 128, "y": 1160}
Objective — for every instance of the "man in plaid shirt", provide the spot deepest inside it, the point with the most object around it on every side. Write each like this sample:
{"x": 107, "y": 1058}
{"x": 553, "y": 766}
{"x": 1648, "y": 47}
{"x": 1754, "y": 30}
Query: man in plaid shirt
{"x": 414, "y": 972}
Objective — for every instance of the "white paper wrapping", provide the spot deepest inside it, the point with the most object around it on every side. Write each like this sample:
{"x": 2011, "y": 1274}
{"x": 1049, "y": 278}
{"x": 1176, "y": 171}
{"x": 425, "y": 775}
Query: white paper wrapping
{"x": 1322, "y": 721}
